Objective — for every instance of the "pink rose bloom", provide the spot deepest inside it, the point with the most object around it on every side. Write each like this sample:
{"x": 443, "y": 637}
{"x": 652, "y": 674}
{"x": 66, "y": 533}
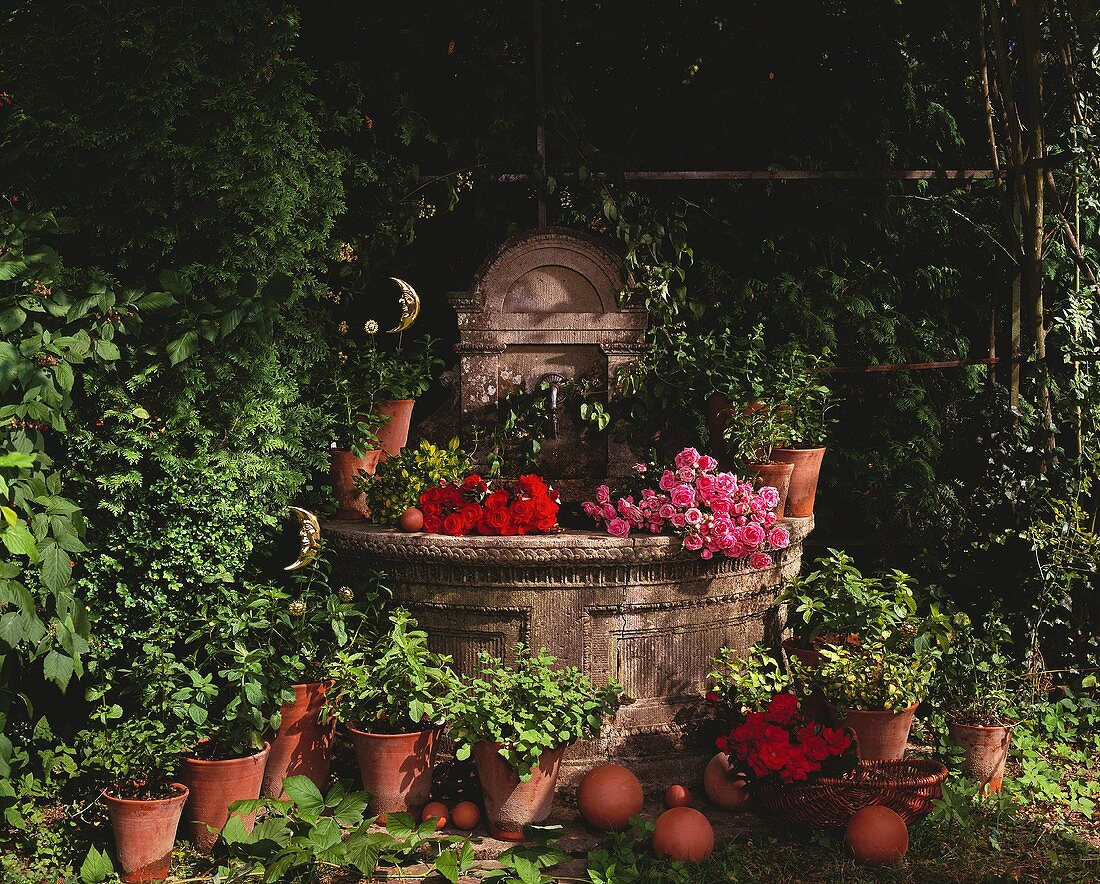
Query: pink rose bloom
{"x": 693, "y": 541}
{"x": 779, "y": 538}
{"x": 685, "y": 475}
{"x": 631, "y": 512}
{"x": 706, "y": 463}
{"x": 693, "y": 516}
{"x": 618, "y": 527}
{"x": 654, "y": 527}
{"x": 760, "y": 560}
{"x": 706, "y": 554}
{"x": 648, "y": 494}
{"x": 603, "y": 494}
{"x": 687, "y": 459}
{"x": 683, "y": 496}
{"x": 609, "y": 512}
{"x": 706, "y": 484}
{"x": 639, "y": 468}
{"x": 753, "y": 535}
{"x": 721, "y": 525}
{"x": 666, "y": 511}
{"x": 592, "y": 510}
{"x": 720, "y": 506}
{"x": 678, "y": 520}
{"x": 668, "y": 480}
{"x": 725, "y": 483}
{"x": 739, "y": 509}
{"x": 769, "y": 519}
{"x": 770, "y": 497}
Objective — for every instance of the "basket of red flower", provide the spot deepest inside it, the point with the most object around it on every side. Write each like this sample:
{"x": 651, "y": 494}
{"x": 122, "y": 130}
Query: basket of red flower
{"x": 529, "y": 506}
{"x": 807, "y": 773}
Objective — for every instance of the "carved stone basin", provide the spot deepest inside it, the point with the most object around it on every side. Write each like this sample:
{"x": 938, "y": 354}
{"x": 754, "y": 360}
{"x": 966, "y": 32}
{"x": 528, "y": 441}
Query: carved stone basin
{"x": 640, "y": 610}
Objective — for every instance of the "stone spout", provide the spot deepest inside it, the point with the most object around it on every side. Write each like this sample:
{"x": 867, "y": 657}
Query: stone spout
{"x": 554, "y": 381}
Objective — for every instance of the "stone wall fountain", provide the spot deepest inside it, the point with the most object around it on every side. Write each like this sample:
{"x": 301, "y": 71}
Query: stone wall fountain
{"x": 638, "y": 609}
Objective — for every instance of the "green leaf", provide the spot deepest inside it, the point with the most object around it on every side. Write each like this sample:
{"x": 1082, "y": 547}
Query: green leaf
{"x": 447, "y": 865}
{"x": 11, "y": 319}
{"x": 183, "y": 347}
{"x": 63, "y": 373}
{"x": 58, "y": 668}
{"x": 155, "y": 301}
{"x": 303, "y": 792}
{"x": 19, "y": 541}
{"x": 106, "y": 350}
{"x": 55, "y": 566}
{"x": 234, "y": 831}
{"x": 325, "y": 833}
{"x": 96, "y": 868}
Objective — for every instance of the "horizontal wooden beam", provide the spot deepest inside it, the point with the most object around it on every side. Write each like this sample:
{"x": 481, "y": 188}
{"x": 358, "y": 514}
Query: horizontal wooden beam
{"x": 784, "y": 175}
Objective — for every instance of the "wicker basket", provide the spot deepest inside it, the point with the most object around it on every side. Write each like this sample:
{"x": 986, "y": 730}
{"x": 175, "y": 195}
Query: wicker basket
{"x": 906, "y": 787}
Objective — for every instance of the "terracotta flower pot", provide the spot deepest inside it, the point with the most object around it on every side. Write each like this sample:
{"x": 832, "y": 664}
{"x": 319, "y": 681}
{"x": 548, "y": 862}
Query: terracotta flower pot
{"x": 303, "y": 745}
{"x": 986, "y": 751}
{"x": 778, "y": 476}
{"x": 806, "y": 463}
{"x": 145, "y": 833}
{"x": 509, "y": 803}
{"x": 396, "y": 769}
{"x": 808, "y": 657}
{"x": 813, "y": 706}
{"x": 881, "y": 735}
{"x": 344, "y": 467}
{"x": 214, "y": 786}
{"x": 394, "y": 433}
{"x": 725, "y": 786}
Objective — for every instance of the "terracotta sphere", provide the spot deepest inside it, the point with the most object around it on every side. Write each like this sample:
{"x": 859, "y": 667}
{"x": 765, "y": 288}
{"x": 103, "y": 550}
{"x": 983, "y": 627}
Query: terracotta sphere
{"x": 438, "y": 810}
{"x": 608, "y": 796}
{"x": 683, "y": 833}
{"x": 725, "y": 787}
{"x": 466, "y": 815}
{"x": 411, "y": 520}
{"x": 677, "y": 796}
{"x": 877, "y": 836}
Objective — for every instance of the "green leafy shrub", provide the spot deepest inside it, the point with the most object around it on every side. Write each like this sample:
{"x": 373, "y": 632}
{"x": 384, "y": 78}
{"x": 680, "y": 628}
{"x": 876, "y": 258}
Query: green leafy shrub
{"x": 871, "y": 676}
{"x": 397, "y": 686}
{"x": 528, "y": 707}
{"x": 399, "y": 481}
{"x": 976, "y": 682}
{"x": 745, "y": 681}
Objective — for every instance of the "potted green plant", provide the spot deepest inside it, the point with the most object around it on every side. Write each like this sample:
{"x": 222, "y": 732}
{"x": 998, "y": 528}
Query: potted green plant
{"x": 400, "y": 480}
{"x": 807, "y": 426}
{"x": 516, "y": 720}
{"x": 310, "y": 622}
{"x": 228, "y": 691}
{"x": 370, "y": 401}
{"x": 751, "y": 435}
{"x": 135, "y": 757}
{"x": 392, "y": 699}
{"x": 979, "y": 692}
{"x": 874, "y": 690}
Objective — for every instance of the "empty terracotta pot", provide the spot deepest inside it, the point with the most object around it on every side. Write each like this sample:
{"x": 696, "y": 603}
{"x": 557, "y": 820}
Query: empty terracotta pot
{"x": 986, "y": 751}
{"x": 303, "y": 745}
{"x": 881, "y": 735}
{"x": 396, "y": 769}
{"x": 510, "y": 804}
{"x": 725, "y": 786}
{"x": 344, "y": 467}
{"x": 145, "y": 833}
{"x": 394, "y": 433}
{"x": 777, "y": 475}
{"x": 214, "y": 786}
{"x": 806, "y": 470}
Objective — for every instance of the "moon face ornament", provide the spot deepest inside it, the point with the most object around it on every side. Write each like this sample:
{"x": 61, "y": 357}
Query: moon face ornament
{"x": 309, "y": 538}
{"x": 410, "y": 306}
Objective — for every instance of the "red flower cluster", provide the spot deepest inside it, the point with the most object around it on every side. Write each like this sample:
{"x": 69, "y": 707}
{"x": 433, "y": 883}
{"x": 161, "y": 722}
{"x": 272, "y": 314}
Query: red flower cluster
{"x": 528, "y": 507}
{"x": 780, "y": 742}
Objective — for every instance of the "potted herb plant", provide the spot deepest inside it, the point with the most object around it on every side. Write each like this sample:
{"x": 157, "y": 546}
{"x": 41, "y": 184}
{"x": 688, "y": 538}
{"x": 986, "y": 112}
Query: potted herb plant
{"x": 229, "y": 690}
{"x": 807, "y": 425}
{"x": 135, "y": 757}
{"x": 392, "y": 699}
{"x": 874, "y": 690}
{"x": 400, "y": 480}
{"x": 751, "y": 434}
{"x": 517, "y": 720}
{"x": 978, "y": 691}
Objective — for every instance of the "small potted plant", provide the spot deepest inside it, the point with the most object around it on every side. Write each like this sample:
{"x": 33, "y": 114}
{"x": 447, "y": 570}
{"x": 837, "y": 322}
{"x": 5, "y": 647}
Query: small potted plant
{"x": 228, "y": 690}
{"x": 517, "y": 720}
{"x": 874, "y": 690}
{"x": 807, "y": 425}
{"x": 392, "y": 699}
{"x": 135, "y": 758}
{"x": 751, "y": 435}
{"x": 400, "y": 480}
{"x": 979, "y": 693}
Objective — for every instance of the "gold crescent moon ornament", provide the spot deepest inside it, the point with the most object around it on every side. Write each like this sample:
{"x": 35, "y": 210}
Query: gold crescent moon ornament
{"x": 309, "y": 538}
{"x": 410, "y": 307}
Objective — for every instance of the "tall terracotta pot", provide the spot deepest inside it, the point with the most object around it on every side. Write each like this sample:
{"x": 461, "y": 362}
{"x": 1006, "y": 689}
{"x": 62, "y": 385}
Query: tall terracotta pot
{"x": 214, "y": 786}
{"x": 806, "y": 463}
{"x": 986, "y": 751}
{"x": 344, "y": 467}
{"x": 509, "y": 803}
{"x": 396, "y": 769}
{"x": 881, "y": 735}
{"x": 303, "y": 744}
{"x": 145, "y": 833}
{"x": 394, "y": 433}
{"x": 778, "y": 476}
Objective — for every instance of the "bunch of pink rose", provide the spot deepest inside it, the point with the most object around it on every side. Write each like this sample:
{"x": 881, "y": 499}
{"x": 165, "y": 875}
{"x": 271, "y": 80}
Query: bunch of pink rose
{"x": 715, "y": 513}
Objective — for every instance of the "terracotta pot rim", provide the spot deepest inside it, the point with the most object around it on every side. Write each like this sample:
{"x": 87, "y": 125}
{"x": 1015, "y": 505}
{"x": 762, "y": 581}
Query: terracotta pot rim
{"x": 182, "y": 793}
{"x": 204, "y": 761}
{"x": 791, "y": 642}
{"x": 388, "y": 401}
{"x": 801, "y": 448}
{"x": 954, "y": 722}
{"x": 905, "y": 711}
{"x": 374, "y": 736}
